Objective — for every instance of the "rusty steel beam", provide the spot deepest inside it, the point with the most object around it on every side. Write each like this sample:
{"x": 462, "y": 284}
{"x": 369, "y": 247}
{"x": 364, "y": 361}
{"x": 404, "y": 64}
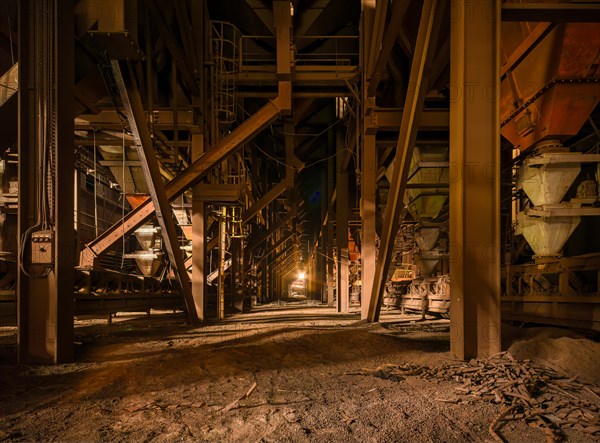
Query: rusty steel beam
{"x": 427, "y": 36}
{"x": 526, "y": 46}
{"x": 265, "y": 200}
{"x": 278, "y": 255}
{"x": 376, "y": 35}
{"x": 199, "y": 247}
{"x": 280, "y": 224}
{"x": 342, "y": 209}
{"x": 274, "y": 247}
{"x": 549, "y": 12}
{"x": 389, "y": 119}
{"x": 134, "y": 110}
{"x": 174, "y": 48}
{"x": 368, "y": 201}
{"x": 191, "y": 175}
{"x": 282, "y": 19}
{"x": 293, "y": 256}
{"x": 475, "y": 197}
{"x": 389, "y": 38}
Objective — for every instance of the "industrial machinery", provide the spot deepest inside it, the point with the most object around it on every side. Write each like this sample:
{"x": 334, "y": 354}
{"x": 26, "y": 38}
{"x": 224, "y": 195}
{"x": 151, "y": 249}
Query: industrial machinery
{"x": 424, "y": 238}
{"x": 551, "y": 267}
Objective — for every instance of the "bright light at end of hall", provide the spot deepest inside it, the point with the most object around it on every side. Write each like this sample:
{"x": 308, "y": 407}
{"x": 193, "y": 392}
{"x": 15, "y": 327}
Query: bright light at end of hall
{"x": 301, "y": 275}
{"x": 368, "y": 4}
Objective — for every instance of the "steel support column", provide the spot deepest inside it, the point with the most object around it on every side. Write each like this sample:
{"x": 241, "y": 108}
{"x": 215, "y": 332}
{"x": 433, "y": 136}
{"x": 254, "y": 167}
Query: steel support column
{"x": 330, "y": 228}
{"x": 221, "y": 279}
{"x": 475, "y": 197}
{"x": 429, "y": 25}
{"x": 237, "y": 254}
{"x": 198, "y": 237}
{"x": 368, "y": 209}
{"x": 341, "y": 219}
{"x": 282, "y": 18}
{"x": 45, "y": 302}
{"x": 264, "y": 201}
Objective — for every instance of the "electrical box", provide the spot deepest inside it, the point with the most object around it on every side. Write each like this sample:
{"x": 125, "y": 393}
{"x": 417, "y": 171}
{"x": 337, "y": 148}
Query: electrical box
{"x": 42, "y": 247}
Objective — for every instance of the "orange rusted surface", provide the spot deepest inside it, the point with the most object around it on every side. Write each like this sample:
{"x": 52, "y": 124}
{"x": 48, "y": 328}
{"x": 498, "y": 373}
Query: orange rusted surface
{"x": 135, "y": 200}
{"x": 551, "y": 93}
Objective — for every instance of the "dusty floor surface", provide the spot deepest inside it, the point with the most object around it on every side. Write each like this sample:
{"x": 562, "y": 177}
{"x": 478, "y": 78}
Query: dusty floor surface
{"x": 154, "y": 379}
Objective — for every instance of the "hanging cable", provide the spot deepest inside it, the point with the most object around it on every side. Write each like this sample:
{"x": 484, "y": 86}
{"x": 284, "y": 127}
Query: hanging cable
{"x": 123, "y": 202}
{"x": 12, "y": 55}
{"x": 43, "y": 77}
{"x": 95, "y": 187}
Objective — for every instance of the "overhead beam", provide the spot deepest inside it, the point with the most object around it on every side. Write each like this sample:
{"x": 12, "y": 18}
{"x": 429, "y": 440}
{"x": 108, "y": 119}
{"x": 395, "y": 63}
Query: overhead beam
{"x": 185, "y": 30}
{"x": 389, "y": 119}
{"x": 376, "y": 34}
{"x": 265, "y": 200}
{"x": 286, "y": 262}
{"x": 551, "y": 12}
{"x": 180, "y": 60}
{"x": 275, "y": 246}
{"x": 427, "y": 36}
{"x": 526, "y": 46}
{"x": 389, "y": 38}
{"x": 276, "y": 257}
{"x": 279, "y": 225}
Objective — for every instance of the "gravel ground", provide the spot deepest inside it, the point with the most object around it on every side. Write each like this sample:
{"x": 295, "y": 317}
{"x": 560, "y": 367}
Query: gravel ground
{"x": 155, "y": 379}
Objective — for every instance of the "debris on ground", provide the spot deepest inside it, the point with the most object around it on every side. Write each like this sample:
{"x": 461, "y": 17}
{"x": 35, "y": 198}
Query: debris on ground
{"x": 542, "y": 397}
{"x": 236, "y": 403}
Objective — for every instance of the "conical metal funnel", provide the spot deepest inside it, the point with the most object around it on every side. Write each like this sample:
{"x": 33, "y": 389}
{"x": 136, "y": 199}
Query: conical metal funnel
{"x": 426, "y": 262}
{"x": 547, "y": 184}
{"x": 148, "y": 262}
{"x": 147, "y": 236}
{"x": 427, "y": 237}
{"x": 546, "y": 235}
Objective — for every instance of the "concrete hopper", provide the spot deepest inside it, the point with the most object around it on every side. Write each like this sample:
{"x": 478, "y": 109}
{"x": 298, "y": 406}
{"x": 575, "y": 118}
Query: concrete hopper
{"x": 148, "y": 262}
{"x": 427, "y": 237}
{"x": 426, "y": 261}
{"x": 547, "y": 183}
{"x": 429, "y": 166}
{"x": 148, "y": 236}
{"x": 546, "y": 235}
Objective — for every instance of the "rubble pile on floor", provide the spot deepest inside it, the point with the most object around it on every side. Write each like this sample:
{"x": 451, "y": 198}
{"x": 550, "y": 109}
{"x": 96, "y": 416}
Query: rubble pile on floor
{"x": 541, "y": 396}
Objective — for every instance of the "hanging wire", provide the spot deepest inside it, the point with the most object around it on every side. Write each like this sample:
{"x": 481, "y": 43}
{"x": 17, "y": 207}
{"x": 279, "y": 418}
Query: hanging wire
{"x": 123, "y": 202}
{"x": 12, "y": 55}
{"x": 42, "y": 74}
{"x": 95, "y": 186}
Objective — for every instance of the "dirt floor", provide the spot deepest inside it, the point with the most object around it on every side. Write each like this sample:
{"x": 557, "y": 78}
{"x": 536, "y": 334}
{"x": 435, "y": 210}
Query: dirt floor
{"x": 155, "y": 379}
